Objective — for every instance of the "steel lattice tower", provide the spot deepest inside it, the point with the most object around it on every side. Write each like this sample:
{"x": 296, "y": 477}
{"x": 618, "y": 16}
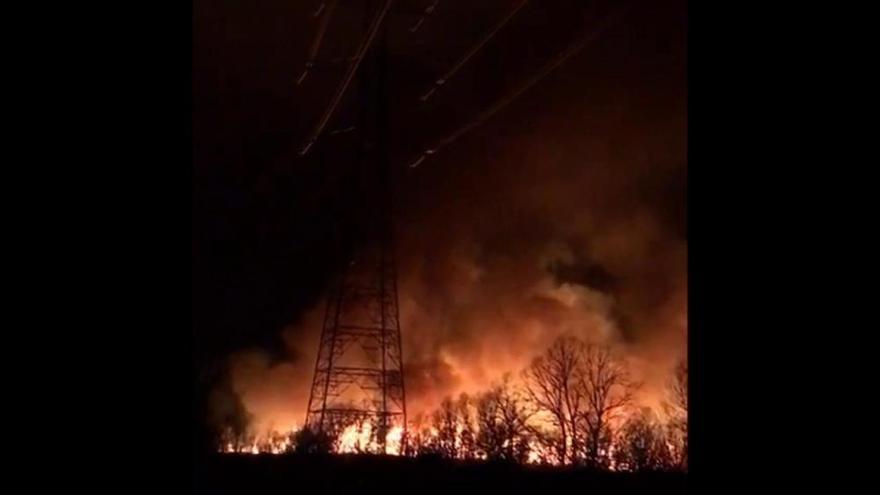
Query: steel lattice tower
{"x": 359, "y": 368}
{"x": 358, "y": 373}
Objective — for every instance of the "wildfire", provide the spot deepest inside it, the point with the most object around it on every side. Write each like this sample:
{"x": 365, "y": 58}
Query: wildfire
{"x": 536, "y": 452}
{"x": 394, "y": 441}
{"x": 356, "y": 440}
{"x": 274, "y": 442}
{"x": 352, "y": 440}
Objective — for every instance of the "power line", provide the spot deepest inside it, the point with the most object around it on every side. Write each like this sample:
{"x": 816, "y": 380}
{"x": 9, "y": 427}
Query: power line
{"x": 473, "y": 51}
{"x": 352, "y": 69}
{"x": 319, "y": 37}
{"x": 572, "y": 49}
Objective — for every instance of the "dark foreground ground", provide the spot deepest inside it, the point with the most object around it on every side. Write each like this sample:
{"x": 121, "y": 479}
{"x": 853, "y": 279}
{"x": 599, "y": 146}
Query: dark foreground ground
{"x": 289, "y": 474}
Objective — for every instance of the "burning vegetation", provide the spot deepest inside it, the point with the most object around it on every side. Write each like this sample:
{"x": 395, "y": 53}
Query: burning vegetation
{"x": 573, "y": 405}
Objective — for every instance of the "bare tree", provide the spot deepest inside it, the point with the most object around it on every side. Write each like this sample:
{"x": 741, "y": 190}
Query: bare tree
{"x": 237, "y": 437}
{"x": 490, "y": 436}
{"x": 642, "y": 444}
{"x": 417, "y": 435}
{"x": 503, "y": 417}
{"x": 452, "y": 433}
{"x": 467, "y": 433}
{"x": 676, "y": 408}
{"x": 605, "y": 382}
{"x": 230, "y": 419}
{"x": 446, "y": 423}
{"x": 552, "y": 385}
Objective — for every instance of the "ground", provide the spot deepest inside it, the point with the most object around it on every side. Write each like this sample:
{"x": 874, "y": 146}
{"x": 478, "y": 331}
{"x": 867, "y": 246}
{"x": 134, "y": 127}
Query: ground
{"x": 257, "y": 474}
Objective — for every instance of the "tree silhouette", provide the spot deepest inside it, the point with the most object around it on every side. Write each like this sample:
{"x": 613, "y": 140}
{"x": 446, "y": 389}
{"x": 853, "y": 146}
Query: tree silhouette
{"x": 604, "y": 380}
{"x": 676, "y": 408}
{"x": 584, "y": 391}
{"x": 418, "y": 436}
{"x": 452, "y": 433}
{"x": 502, "y": 416}
{"x": 467, "y": 445}
{"x": 642, "y": 444}
{"x": 552, "y": 385}
{"x": 445, "y": 420}
{"x": 230, "y": 419}
{"x": 237, "y": 432}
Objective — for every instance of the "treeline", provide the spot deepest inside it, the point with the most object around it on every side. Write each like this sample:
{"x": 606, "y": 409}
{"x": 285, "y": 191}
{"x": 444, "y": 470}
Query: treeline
{"x": 574, "y": 405}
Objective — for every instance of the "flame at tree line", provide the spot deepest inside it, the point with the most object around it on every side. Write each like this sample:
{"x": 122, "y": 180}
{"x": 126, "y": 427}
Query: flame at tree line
{"x": 352, "y": 440}
{"x": 355, "y": 440}
{"x": 583, "y": 387}
{"x": 476, "y": 311}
